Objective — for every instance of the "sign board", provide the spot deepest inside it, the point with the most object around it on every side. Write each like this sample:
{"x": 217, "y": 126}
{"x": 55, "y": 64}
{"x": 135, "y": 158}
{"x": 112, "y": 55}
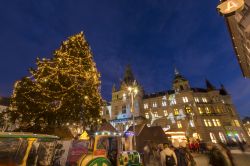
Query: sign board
{"x": 230, "y": 6}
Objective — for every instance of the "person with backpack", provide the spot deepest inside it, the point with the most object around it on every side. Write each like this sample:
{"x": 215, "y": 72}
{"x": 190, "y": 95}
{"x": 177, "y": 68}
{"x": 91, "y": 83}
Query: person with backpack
{"x": 168, "y": 157}
{"x": 186, "y": 158}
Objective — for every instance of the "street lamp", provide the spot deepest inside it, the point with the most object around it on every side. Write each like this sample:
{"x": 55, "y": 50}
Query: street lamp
{"x": 132, "y": 91}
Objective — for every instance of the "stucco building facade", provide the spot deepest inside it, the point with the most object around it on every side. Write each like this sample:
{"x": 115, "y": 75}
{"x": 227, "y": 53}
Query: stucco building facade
{"x": 184, "y": 112}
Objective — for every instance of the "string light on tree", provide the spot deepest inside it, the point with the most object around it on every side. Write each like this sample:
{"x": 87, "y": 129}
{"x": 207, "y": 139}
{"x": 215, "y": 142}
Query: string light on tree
{"x": 63, "y": 89}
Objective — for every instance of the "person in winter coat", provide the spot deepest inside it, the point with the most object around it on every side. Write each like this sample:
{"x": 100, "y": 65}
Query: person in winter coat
{"x": 176, "y": 146}
{"x": 218, "y": 156}
{"x": 228, "y": 152}
{"x": 146, "y": 155}
{"x": 186, "y": 158}
{"x": 168, "y": 153}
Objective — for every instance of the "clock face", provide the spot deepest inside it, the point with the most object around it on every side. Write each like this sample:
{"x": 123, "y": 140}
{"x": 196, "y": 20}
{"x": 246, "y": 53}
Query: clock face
{"x": 230, "y": 6}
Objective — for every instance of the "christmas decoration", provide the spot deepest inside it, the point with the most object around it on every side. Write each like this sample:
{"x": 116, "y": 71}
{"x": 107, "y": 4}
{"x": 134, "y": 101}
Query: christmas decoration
{"x": 62, "y": 90}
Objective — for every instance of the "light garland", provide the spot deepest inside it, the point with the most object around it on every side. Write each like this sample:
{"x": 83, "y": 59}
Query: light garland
{"x": 59, "y": 86}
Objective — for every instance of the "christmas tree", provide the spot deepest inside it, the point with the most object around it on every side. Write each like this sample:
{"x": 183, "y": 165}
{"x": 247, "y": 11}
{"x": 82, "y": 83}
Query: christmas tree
{"x": 62, "y": 90}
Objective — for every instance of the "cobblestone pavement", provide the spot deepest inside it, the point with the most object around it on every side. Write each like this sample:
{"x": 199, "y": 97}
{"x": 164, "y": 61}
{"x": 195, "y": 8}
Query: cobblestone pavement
{"x": 240, "y": 159}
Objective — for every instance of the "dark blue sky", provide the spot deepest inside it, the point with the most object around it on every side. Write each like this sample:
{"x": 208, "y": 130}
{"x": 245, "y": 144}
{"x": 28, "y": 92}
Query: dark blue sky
{"x": 151, "y": 35}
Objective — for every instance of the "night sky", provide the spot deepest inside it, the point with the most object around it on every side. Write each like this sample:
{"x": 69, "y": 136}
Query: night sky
{"x": 153, "y": 36}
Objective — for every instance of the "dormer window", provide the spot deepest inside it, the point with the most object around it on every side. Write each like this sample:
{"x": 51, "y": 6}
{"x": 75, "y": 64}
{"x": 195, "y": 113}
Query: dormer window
{"x": 165, "y": 112}
{"x": 204, "y": 99}
{"x": 173, "y": 102}
{"x": 185, "y": 99}
{"x": 196, "y": 99}
{"x": 164, "y": 103}
{"x": 154, "y": 104}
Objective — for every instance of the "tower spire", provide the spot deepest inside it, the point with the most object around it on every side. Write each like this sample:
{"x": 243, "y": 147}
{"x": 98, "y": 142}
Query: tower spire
{"x": 128, "y": 75}
{"x": 209, "y": 85}
{"x": 223, "y": 90}
{"x": 176, "y": 72}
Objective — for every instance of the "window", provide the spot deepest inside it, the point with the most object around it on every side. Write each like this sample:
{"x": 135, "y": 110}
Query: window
{"x": 101, "y": 113}
{"x": 179, "y": 125}
{"x": 196, "y": 99}
{"x": 205, "y": 122}
{"x": 214, "y": 122}
{"x": 188, "y": 110}
{"x": 209, "y": 123}
{"x": 218, "y": 109}
{"x": 218, "y": 122}
{"x": 185, "y": 99}
{"x": 191, "y": 122}
{"x": 154, "y": 104}
{"x": 156, "y": 114}
{"x": 145, "y": 106}
{"x": 222, "y": 101}
{"x": 237, "y": 123}
{"x": 213, "y": 138}
{"x": 208, "y": 111}
{"x": 165, "y": 112}
{"x": 146, "y": 115}
{"x": 204, "y": 99}
{"x": 124, "y": 109}
{"x": 124, "y": 97}
{"x": 164, "y": 103}
{"x": 200, "y": 110}
{"x": 222, "y": 137}
{"x": 173, "y": 102}
{"x": 176, "y": 112}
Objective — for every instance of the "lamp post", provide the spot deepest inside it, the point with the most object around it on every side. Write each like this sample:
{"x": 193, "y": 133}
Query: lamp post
{"x": 133, "y": 90}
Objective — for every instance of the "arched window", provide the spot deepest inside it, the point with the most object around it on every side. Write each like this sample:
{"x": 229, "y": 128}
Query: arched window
{"x": 222, "y": 137}
{"x": 237, "y": 137}
{"x": 243, "y": 137}
{"x": 213, "y": 138}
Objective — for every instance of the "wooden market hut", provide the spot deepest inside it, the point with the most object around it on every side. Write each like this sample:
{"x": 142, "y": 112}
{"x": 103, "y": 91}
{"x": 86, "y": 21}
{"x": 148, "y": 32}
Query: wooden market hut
{"x": 148, "y": 135}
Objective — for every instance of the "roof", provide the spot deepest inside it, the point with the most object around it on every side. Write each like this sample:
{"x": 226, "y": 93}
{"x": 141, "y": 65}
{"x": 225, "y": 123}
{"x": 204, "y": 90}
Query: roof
{"x": 138, "y": 128}
{"x": 199, "y": 90}
{"x": 128, "y": 76}
{"x": 209, "y": 85}
{"x": 106, "y": 126}
{"x": 26, "y": 135}
{"x": 158, "y": 94}
{"x": 168, "y": 92}
{"x": 179, "y": 78}
{"x": 126, "y": 119}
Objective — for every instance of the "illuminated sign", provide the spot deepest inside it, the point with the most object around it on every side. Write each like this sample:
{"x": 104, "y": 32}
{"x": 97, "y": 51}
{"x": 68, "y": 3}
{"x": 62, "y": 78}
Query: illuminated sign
{"x": 230, "y": 6}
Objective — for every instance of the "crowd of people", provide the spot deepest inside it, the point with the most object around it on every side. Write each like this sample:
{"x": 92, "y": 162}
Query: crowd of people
{"x": 168, "y": 154}
{"x": 179, "y": 153}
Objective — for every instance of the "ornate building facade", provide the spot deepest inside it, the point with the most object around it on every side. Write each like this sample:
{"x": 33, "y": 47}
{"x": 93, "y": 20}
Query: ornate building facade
{"x": 183, "y": 112}
{"x": 238, "y": 25}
